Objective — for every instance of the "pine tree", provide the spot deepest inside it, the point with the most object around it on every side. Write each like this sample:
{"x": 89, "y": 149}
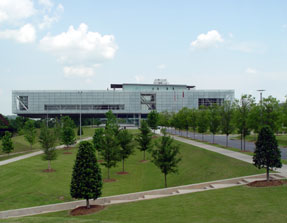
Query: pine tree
{"x": 7, "y": 144}
{"x": 165, "y": 156}
{"x": 126, "y": 145}
{"x": 144, "y": 139}
{"x": 86, "y": 180}
{"x": 267, "y": 154}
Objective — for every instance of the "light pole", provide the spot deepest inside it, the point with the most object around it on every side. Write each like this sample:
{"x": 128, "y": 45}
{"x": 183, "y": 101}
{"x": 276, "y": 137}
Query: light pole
{"x": 80, "y": 92}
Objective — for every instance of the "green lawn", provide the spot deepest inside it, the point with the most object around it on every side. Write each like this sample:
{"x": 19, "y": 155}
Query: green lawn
{"x": 282, "y": 139}
{"x": 26, "y": 185}
{"x": 236, "y": 205}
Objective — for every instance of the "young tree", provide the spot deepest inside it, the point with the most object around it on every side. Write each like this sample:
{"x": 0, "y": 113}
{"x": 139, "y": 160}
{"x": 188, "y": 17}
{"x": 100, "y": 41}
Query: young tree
{"x": 86, "y": 180}
{"x": 152, "y": 119}
{"x": 110, "y": 151}
{"x": 98, "y": 139}
{"x": 202, "y": 121}
{"x": 111, "y": 122}
{"x": 68, "y": 136}
{"x": 7, "y": 144}
{"x": 183, "y": 115}
{"x": 227, "y": 116}
{"x": 254, "y": 119}
{"x": 126, "y": 145}
{"x": 144, "y": 139}
{"x": 271, "y": 113}
{"x": 165, "y": 156}
{"x": 30, "y": 132}
{"x": 214, "y": 120}
{"x": 66, "y": 121}
{"x": 193, "y": 120}
{"x": 164, "y": 119}
{"x": 267, "y": 153}
{"x": 48, "y": 140}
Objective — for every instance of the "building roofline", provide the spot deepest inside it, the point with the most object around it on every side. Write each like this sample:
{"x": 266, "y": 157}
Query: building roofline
{"x": 136, "y": 84}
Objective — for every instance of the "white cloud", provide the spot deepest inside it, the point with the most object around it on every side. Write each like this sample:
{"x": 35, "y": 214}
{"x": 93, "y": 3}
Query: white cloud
{"x": 26, "y": 34}
{"x": 80, "y": 45}
{"x": 251, "y": 70}
{"x": 78, "y": 71}
{"x": 15, "y": 10}
{"x": 210, "y": 39}
{"x": 161, "y": 66}
{"x": 46, "y": 3}
{"x": 48, "y": 21}
{"x": 139, "y": 78}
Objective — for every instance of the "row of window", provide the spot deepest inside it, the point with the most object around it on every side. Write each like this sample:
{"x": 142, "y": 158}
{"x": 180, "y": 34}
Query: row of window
{"x": 210, "y": 101}
{"x": 83, "y": 107}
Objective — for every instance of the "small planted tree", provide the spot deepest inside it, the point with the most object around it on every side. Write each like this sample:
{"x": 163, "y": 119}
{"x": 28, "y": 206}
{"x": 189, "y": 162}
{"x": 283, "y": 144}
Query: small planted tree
{"x": 153, "y": 119}
{"x": 267, "y": 154}
{"x": 165, "y": 156}
{"x": 227, "y": 119}
{"x": 110, "y": 151}
{"x": 30, "y": 132}
{"x": 86, "y": 180}
{"x": 47, "y": 139}
{"x": 202, "y": 121}
{"x": 126, "y": 145}
{"x": 7, "y": 144}
{"x": 144, "y": 139}
{"x": 68, "y": 136}
{"x": 214, "y": 120}
{"x": 98, "y": 139}
{"x": 193, "y": 120}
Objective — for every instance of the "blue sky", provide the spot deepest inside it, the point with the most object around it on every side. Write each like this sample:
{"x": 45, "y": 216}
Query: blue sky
{"x": 49, "y": 44}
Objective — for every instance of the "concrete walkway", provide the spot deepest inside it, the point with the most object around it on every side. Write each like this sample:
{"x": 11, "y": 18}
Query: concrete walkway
{"x": 4, "y": 162}
{"x": 139, "y": 196}
{"x": 226, "y": 152}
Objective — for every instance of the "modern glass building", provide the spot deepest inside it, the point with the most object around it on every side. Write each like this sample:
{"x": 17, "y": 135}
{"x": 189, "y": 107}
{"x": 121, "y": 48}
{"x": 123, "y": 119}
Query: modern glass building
{"x": 130, "y": 101}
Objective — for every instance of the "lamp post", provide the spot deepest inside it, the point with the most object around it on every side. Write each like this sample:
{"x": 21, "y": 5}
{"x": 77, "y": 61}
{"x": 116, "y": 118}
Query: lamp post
{"x": 80, "y": 92}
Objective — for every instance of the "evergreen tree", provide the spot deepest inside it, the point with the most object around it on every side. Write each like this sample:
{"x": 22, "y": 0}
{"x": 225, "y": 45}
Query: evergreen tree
{"x": 126, "y": 145}
{"x": 152, "y": 119}
{"x": 267, "y": 154}
{"x": 47, "y": 139}
{"x": 30, "y": 132}
{"x": 165, "y": 156}
{"x": 7, "y": 144}
{"x": 86, "y": 180}
{"x": 144, "y": 139}
{"x": 214, "y": 120}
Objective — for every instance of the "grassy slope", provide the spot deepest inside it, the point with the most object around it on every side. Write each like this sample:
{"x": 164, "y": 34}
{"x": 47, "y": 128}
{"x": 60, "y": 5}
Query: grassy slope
{"x": 238, "y": 204}
{"x": 26, "y": 185}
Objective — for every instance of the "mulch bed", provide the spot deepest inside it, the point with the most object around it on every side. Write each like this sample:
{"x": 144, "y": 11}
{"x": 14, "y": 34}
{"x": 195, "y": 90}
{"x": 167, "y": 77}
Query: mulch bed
{"x": 265, "y": 183}
{"x": 100, "y": 161}
{"x": 66, "y": 153}
{"x": 83, "y": 210}
{"x": 122, "y": 173}
{"x": 154, "y": 137}
{"x": 144, "y": 161}
{"x": 109, "y": 180}
{"x": 48, "y": 171}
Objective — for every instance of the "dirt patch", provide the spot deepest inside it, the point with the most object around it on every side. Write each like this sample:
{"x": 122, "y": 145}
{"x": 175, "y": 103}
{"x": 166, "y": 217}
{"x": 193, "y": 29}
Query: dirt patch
{"x": 48, "y": 170}
{"x": 83, "y": 210}
{"x": 100, "y": 161}
{"x": 109, "y": 180}
{"x": 122, "y": 173}
{"x": 66, "y": 153}
{"x": 144, "y": 161}
{"x": 265, "y": 183}
{"x": 154, "y": 137}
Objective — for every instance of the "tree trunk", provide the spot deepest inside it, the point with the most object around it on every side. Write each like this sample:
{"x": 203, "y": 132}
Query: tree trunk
{"x": 49, "y": 164}
{"x": 88, "y": 204}
{"x": 267, "y": 173}
{"x": 144, "y": 155}
{"x": 226, "y": 141}
{"x": 123, "y": 165}
{"x": 213, "y": 138}
{"x": 165, "y": 183}
{"x": 244, "y": 142}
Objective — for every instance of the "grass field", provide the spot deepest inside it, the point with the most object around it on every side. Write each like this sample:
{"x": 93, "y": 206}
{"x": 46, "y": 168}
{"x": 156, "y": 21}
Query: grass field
{"x": 26, "y": 185}
{"x": 236, "y": 205}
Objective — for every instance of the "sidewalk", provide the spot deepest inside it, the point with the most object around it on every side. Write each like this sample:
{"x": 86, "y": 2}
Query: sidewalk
{"x": 4, "y": 162}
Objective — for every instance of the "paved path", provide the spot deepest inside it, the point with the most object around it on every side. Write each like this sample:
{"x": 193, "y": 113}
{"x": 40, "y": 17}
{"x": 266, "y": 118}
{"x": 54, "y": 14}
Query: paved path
{"x": 221, "y": 140}
{"x": 4, "y": 162}
{"x": 11, "y": 154}
{"x": 138, "y": 196}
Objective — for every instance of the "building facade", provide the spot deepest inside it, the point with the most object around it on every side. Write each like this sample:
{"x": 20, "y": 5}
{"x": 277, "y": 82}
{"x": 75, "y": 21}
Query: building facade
{"x": 130, "y": 101}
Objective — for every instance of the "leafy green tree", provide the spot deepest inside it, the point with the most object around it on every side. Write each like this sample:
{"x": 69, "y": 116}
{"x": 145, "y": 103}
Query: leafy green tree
{"x": 227, "y": 119}
{"x": 98, "y": 139}
{"x": 183, "y": 116}
{"x": 165, "y": 156}
{"x": 254, "y": 119}
{"x": 30, "y": 132}
{"x": 57, "y": 129}
{"x": 110, "y": 151}
{"x": 152, "y": 119}
{"x": 214, "y": 120}
{"x": 164, "y": 119}
{"x": 66, "y": 121}
{"x": 126, "y": 145}
{"x": 111, "y": 122}
{"x": 267, "y": 154}
{"x": 202, "y": 121}
{"x": 7, "y": 144}
{"x": 68, "y": 136}
{"x": 86, "y": 180}
{"x": 243, "y": 109}
{"x": 193, "y": 120}
{"x": 47, "y": 139}
{"x": 144, "y": 139}
{"x": 271, "y": 113}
